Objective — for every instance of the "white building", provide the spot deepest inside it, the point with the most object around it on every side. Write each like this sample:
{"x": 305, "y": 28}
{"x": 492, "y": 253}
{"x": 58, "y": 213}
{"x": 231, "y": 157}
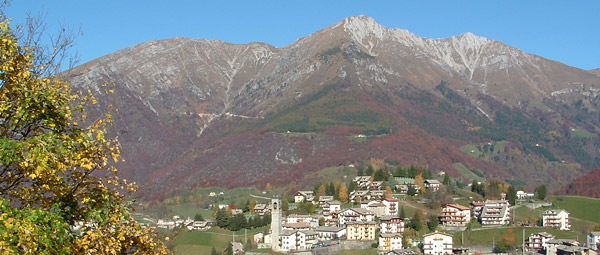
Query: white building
{"x": 593, "y": 240}
{"x": 355, "y": 214}
{"x": 388, "y": 241}
{"x": 391, "y": 206}
{"x": 437, "y": 243}
{"x": 325, "y": 199}
{"x": 330, "y": 207}
{"x": 330, "y": 233}
{"x": 292, "y": 240}
{"x": 391, "y": 224}
{"x": 522, "y": 195}
{"x": 556, "y": 219}
{"x": 537, "y": 241}
{"x": 495, "y": 212}
{"x": 304, "y": 196}
{"x": 455, "y": 215}
{"x": 432, "y": 184}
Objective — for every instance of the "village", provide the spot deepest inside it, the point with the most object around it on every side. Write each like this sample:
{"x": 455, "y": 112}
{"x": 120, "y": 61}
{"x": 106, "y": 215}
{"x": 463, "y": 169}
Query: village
{"x": 371, "y": 217}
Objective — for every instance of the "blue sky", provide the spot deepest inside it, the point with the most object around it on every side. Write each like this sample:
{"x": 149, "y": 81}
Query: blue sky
{"x": 565, "y": 31}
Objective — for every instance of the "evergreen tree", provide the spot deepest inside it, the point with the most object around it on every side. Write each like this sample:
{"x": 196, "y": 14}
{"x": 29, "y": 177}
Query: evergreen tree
{"x": 370, "y": 170}
{"x": 459, "y": 184}
{"x": 316, "y": 189}
{"x": 381, "y": 175}
{"x": 411, "y": 190}
{"x": 330, "y": 189}
{"x": 511, "y": 195}
{"x": 360, "y": 172}
{"x": 427, "y": 174}
{"x": 540, "y": 192}
{"x": 433, "y": 222}
{"x": 412, "y": 171}
{"x": 213, "y": 251}
{"x": 446, "y": 180}
{"x": 353, "y": 186}
{"x": 222, "y": 218}
{"x": 416, "y": 221}
{"x": 198, "y": 217}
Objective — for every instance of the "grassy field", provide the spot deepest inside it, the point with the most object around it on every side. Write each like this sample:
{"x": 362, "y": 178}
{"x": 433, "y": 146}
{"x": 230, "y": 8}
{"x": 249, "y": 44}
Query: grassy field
{"x": 465, "y": 172}
{"x": 582, "y": 133}
{"x": 359, "y": 139}
{"x": 472, "y": 150}
{"x": 358, "y": 252}
{"x": 579, "y": 207}
{"x": 340, "y": 173}
{"x": 495, "y": 235}
{"x": 190, "y": 210}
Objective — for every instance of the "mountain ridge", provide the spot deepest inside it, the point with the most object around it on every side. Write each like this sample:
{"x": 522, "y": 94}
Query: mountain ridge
{"x": 210, "y": 110}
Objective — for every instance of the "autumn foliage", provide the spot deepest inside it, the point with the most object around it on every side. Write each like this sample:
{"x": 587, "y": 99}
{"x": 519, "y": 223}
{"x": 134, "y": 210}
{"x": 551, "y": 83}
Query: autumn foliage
{"x": 58, "y": 194}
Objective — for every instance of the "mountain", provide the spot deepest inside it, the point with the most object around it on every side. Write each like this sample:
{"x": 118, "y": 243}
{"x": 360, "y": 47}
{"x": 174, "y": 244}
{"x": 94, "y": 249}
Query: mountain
{"x": 586, "y": 185}
{"x": 196, "y": 112}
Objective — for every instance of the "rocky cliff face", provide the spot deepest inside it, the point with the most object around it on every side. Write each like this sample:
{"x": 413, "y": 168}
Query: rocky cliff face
{"x": 201, "y": 112}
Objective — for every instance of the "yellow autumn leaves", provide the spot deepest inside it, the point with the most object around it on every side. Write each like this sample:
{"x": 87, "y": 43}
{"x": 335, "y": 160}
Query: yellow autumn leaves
{"x": 51, "y": 160}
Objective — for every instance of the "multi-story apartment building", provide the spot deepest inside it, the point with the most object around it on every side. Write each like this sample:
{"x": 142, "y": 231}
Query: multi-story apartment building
{"x": 389, "y": 241}
{"x": 556, "y": 219}
{"x": 437, "y": 243}
{"x": 455, "y": 215}
{"x": 391, "y": 206}
{"x": 355, "y": 214}
{"x": 537, "y": 241}
{"x": 391, "y": 224}
{"x": 361, "y": 230}
{"x": 495, "y": 212}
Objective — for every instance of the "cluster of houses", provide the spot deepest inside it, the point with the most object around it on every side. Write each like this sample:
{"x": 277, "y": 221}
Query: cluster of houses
{"x": 303, "y": 232}
{"x": 192, "y": 225}
{"x": 546, "y": 243}
{"x": 496, "y": 213}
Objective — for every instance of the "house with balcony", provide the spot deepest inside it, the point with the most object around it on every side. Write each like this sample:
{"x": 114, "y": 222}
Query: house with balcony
{"x": 325, "y": 233}
{"x": 476, "y": 208}
{"x": 331, "y": 207}
{"x": 355, "y": 214}
{"x": 325, "y": 199}
{"x": 292, "y": 240}
{"x": 432, "y": 184}
{"x": 556, "y": 219}
{"x": 261, "y": 209}
{"x": 495, "y": 212}
{"x": 304, "y": 196}
{"x": 377, "y": 208}
{"x": 360, "y": 230}
{"x": 537, "y": 241}
{"x": 389, "y": 241}
{"x": 391, "y": 224}
{"x": 455, "y": 215}
{"x": 437, "y": 243}
{"x": 391, "y": 206}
